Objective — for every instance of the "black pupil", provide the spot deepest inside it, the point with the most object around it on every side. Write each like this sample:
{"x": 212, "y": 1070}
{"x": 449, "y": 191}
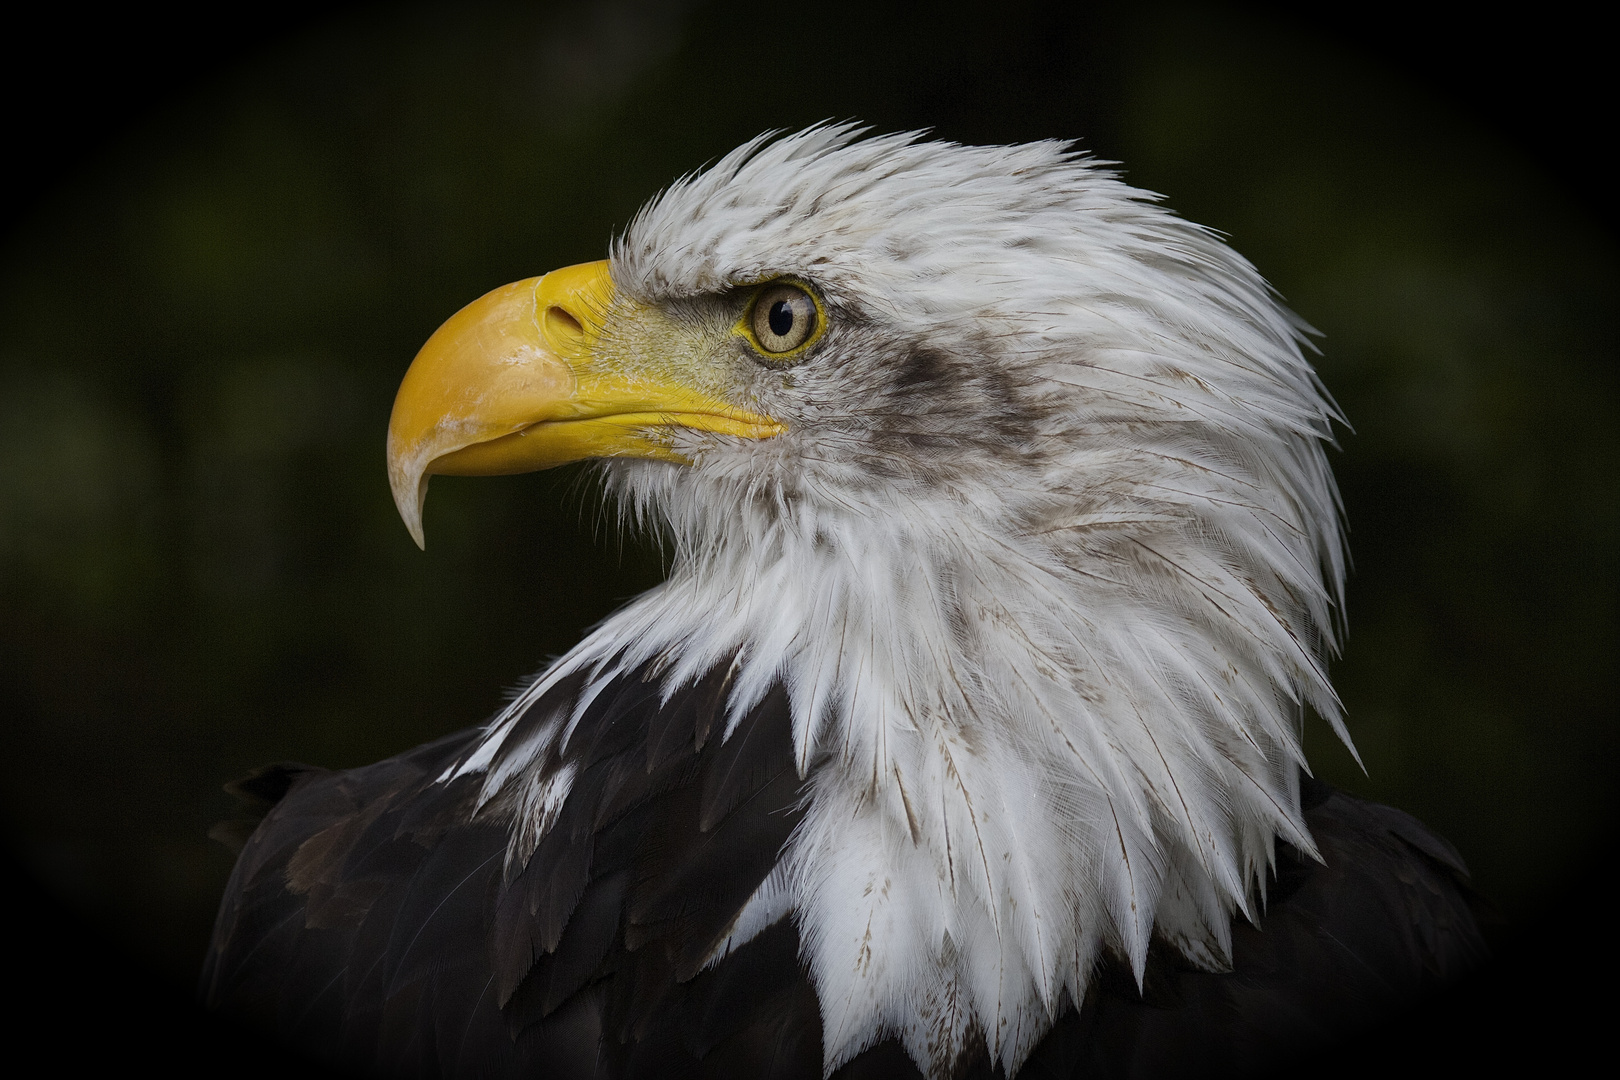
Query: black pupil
{"x": 781, "y": 318}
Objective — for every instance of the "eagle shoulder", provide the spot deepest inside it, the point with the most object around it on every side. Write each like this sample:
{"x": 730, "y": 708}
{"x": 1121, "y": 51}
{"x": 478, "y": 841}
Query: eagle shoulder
{"x": 374, "y": 919}
{"x": 1386, "y": 921}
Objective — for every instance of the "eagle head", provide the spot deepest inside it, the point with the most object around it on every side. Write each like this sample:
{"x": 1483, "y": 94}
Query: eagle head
{"x": 1012, "y": 478}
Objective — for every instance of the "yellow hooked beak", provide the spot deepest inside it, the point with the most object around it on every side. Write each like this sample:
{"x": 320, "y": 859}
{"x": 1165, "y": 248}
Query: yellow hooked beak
{"x": 513, "y": 382}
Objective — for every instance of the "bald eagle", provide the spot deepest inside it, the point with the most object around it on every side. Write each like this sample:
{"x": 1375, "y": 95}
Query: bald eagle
{"x": 964, "y": 737}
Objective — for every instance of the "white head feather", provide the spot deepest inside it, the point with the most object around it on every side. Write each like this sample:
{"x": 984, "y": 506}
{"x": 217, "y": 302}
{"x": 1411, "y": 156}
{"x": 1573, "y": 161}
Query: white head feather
{"x": 1047, "y": 560}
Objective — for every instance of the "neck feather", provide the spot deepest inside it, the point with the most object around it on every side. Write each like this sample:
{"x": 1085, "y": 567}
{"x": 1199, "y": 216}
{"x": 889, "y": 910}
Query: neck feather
{"x": 1019, "y": 753}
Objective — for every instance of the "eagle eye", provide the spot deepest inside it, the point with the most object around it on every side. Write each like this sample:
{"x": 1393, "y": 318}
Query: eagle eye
{"x": 783, "y": 319}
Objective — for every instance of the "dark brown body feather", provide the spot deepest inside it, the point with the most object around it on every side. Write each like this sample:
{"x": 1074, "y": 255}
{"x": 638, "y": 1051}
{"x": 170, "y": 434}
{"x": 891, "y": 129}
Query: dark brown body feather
{"x": 372, "y": 923}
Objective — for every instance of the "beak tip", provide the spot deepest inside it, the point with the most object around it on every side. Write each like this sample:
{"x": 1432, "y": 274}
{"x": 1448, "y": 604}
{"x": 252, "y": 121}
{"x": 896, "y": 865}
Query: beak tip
{"x": 411, "y": 512}
{"x": 410, "y": 495}
{"x": 413, "y": 525}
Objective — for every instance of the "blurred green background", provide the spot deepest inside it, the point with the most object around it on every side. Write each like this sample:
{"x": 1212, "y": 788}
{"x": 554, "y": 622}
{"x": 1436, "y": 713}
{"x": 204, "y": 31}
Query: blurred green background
{"x": 205, "y": 316}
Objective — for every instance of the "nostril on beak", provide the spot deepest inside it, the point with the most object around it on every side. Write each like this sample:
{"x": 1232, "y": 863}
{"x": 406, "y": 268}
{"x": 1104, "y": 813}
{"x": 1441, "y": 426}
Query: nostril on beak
{"x": 563, "y": 326}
